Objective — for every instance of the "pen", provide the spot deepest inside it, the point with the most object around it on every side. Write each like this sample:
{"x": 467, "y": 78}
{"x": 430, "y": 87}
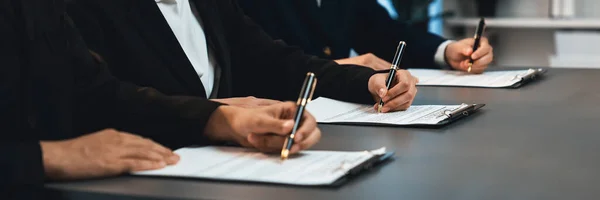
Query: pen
{"x": 306, "y": 93}
{"x": 393, "y": 68}
{"x": 477, "y": 37}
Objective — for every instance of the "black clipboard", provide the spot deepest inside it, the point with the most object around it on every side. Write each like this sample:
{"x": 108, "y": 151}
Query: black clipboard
{"x": 357, "y": 170}
{"x": 529, "y": 78}
{"x": 451, "y": 117}
{"x": 534, "y": 75}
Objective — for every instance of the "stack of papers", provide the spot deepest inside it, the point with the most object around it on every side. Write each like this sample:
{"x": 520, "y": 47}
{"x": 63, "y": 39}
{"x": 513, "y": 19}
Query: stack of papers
{"x": 241, "y": 164}
{"x": 489, "y": 79}
{"x": 332, "y": 111}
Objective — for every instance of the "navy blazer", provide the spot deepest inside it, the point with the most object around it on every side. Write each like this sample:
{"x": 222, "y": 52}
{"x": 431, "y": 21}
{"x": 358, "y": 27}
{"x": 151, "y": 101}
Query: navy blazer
{"x": 339, "y": 25}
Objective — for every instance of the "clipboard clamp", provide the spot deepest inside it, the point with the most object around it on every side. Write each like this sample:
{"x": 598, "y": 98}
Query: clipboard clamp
{"x": 532, "y": 74}
{"x": 461, "y": 111}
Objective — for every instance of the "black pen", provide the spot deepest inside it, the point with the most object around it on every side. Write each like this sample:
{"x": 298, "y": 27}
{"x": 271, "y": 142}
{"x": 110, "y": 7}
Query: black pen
{"x": 477, "y": 37}
{"x": 393, "y": 68}
{"x": 306, "y": 93}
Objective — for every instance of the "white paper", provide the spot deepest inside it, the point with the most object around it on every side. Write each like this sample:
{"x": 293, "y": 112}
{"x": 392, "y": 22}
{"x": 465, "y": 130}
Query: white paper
{"x": 490, "y": 79}
{"x": 241, "y": 164}
{"x": 332, "y": 111}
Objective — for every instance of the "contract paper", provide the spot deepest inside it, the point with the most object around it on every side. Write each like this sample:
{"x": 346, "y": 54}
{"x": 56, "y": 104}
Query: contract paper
{"x": 332, "y": 111}
{"x": 241, "y": 164}
{"x": 489, "y": 79}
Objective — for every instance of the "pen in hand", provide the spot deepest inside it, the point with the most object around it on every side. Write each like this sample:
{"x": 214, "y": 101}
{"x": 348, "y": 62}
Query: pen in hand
{"x": 306, "y": 94}
{"x": 477, "y": 37}
{"x": 395, "y": 66}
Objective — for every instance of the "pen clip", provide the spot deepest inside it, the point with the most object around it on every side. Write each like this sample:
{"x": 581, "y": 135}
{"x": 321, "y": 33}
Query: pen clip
{"x": 308, "y": 89}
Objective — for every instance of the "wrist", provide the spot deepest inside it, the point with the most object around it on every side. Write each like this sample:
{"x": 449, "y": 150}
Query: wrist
{"x": 52, "y": 152}
{"x": 219, "y": 126}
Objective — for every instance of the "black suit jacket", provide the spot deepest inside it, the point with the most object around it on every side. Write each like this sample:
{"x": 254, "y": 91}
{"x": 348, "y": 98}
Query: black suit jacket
{"x": 134, "y": 37}
{"x": 340, "y": 25}
{"x": 50, "y": 86}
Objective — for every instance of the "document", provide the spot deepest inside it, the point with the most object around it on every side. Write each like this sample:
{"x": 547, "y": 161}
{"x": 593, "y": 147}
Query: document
{"x": 241, "y": 164}
{"x": 332, "y": 111}
{"x": 489, "y": 79}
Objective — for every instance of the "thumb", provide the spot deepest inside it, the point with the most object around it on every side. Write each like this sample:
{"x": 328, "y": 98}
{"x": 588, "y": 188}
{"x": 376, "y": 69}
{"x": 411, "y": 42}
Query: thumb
{"x": 464, "y": 47}
{"x": 378, "y": 85}
{"x": 269, "y": 124}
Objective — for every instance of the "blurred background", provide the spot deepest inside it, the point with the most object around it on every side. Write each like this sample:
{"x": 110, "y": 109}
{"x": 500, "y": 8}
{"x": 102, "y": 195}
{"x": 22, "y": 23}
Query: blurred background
{"x": 556, "y": 33}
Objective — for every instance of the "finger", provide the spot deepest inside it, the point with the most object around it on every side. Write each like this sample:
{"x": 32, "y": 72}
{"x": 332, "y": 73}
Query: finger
{"x": 401, "y": 102}
{"x": 312, "y": 139}
{"x": 134, "y": 165}
{"x": 309, "y": 124}
{"x": 483, "y": 50}
{"x": 151, "y": 145}
{"x": 266, "y": 102}
{"x": 404, "y": 82}
{"x": 142, "y": 154}
{"x": 266, "y": 143}
{"x": 378, "y": 85}
{"x": 464, "y": 65}
{"x": 465, "y": 47}
{"x": 267, "y": 124}
{"x": 479, "y": 66}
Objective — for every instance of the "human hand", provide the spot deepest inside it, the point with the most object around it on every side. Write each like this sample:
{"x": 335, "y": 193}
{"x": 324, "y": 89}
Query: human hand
{"x": 264, "y": 128}
{"x": 458, "y": 54}
{"x": 401, "y": 94}
{"x": 246, "y": 102}
{"x": 104, "y": 153}
{"x": 368, "y": 60}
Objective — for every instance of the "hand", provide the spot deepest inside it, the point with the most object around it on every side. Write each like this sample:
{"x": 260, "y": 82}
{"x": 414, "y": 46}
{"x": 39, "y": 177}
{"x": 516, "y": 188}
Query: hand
{"x": 458, "y": 53}
{"x": 247, "y": 102}
{"x": 104, "y": 153}
{"x": 400, "y": 96}
{"x": 368, "y": 60}
{"x": 263, "y": 128}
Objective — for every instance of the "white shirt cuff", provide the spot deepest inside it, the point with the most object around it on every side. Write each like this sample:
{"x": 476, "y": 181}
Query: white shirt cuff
{"x": 440, "y": 55}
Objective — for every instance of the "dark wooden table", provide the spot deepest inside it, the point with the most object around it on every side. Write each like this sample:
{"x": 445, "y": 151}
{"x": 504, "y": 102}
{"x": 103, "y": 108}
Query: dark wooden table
{"x": 541, "y": 141}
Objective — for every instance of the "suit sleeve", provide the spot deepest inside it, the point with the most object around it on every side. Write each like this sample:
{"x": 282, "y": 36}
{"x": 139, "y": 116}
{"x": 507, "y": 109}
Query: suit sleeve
{"x": 21, "y": 157}
{"x": 376, "y": 32}
{"x": 272, "y": 69}
{"x": 170, "y": 120}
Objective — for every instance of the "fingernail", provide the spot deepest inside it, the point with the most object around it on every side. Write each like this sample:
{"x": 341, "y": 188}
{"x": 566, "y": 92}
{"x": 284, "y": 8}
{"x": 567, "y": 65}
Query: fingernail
{"x": 381, "y": 92}
{"x": 173, "y": 159}
{"x": 298, "y": 137}
{"x": 288, "y": 123}
{"x": 161, "y": 164}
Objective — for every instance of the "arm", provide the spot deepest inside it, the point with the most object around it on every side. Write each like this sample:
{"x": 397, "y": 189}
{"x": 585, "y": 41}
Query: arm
{"x": 170, "y": 120}
{"x": 272, "y": 69}
{"x": 21, "y": 157}
{"x": 376, "y": 32}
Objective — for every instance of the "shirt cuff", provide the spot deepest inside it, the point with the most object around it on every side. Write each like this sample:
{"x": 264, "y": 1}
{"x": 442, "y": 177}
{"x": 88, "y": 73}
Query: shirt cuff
{"x": 440, "y": 55}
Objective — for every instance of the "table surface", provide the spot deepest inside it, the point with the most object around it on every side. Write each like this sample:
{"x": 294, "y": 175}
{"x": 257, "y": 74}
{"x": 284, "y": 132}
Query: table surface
{"x": 540, "y": 141}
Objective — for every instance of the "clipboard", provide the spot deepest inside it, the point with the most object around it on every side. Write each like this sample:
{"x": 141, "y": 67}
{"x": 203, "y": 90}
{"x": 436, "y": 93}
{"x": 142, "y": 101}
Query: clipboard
{"x": 346, "y": 173}
{"x": 330, "y": 111}
{"x": 529, "y": 78}
{"x": 438, "y": 78}
{"x": 451, "y": 117}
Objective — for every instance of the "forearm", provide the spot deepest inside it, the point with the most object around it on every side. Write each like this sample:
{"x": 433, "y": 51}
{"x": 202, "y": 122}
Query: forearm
{"x": 21, "y": 163}
{"x": 276, "y": 70}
